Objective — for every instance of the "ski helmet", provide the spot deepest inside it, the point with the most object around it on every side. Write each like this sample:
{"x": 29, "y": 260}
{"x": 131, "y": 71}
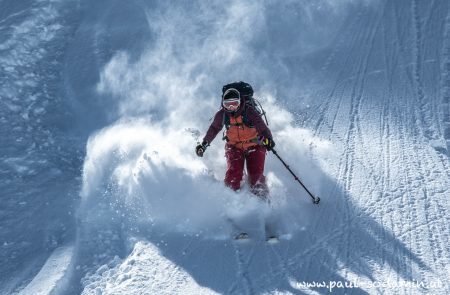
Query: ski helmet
{"x": 231, "y": 100}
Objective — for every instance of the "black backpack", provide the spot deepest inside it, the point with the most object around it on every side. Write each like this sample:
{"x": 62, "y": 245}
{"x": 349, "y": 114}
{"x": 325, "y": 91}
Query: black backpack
{"x": 246, "y": 93}
{"x": 244, "y": 89}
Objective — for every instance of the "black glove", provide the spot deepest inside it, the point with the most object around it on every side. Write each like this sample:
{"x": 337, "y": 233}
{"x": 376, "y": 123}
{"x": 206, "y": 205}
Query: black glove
{"x": 201, "y": 148}
{"x": 267, "y": 142}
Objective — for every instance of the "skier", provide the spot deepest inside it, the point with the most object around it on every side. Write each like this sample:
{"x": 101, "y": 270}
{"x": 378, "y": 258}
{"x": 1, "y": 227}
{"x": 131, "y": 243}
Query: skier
{"x": 247, "y": 138}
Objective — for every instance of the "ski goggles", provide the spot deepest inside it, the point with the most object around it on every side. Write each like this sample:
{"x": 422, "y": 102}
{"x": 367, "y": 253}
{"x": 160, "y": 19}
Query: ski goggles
{"x": 231, "y": 100}
{"x": 231, "y": 104}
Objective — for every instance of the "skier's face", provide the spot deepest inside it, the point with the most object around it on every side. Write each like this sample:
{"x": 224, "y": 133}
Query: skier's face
{"x": 231, "y": 104}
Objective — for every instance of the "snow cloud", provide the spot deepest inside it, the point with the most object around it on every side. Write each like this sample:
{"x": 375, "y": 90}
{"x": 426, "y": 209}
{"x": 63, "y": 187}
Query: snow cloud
{"x": 148, "y": 174}
{"x": 195, "y": 49}
{"x": 163, "y": 102}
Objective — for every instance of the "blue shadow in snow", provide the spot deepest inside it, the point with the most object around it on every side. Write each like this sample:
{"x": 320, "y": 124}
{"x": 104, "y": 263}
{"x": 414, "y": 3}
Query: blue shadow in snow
{"x": 339, "y": 239}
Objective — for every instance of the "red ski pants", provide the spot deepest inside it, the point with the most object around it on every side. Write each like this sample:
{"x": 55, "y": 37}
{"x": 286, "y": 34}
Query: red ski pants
{"x": 254, "y": 157}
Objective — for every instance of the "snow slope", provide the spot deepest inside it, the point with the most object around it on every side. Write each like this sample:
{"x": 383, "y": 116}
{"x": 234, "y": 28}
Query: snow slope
{"x": 103, "y": 102}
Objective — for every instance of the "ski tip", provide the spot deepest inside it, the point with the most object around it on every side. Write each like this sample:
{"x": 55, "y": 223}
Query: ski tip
{"x": 241, "y": 237}
{"x": 272, "y": 240}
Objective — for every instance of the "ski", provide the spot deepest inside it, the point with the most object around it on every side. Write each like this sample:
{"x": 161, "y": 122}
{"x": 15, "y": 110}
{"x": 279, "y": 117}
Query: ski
{"x": 272, "y": 240}
{"x": 246, "y": 237}
{"x": 271, "y": 236}
{"x": 242, "y": 236}
{"x": 239, "y": 234}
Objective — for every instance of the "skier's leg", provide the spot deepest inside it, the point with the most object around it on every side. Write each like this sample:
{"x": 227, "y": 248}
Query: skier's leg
{"x": 235, "y": 166}
{"x": 255, "y": 167}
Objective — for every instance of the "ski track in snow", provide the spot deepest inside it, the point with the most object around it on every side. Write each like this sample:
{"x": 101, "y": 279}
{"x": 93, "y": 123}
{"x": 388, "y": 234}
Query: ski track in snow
{"x": 422, "y": 164}
{"x": 384, "y": 104}
{"x": 445, "y": 82}
{"x": 37, "y": 162}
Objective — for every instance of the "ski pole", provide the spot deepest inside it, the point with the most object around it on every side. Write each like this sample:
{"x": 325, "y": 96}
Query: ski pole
{"x": 316, "y": 200}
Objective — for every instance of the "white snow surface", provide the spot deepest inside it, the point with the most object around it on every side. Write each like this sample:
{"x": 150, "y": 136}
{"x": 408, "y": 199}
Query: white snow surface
{"x": 103, "y": 102}
{"x": 54, "y": 270}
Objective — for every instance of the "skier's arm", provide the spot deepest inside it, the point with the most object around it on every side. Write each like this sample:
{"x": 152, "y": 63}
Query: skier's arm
{"x": 215, "y": 127}
{"x": 258, "y": 122}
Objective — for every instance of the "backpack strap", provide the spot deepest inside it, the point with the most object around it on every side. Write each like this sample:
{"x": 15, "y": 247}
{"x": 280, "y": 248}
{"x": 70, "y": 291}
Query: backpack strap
{"x": 227, "y": 122}
{"x": 245, "y": 119}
